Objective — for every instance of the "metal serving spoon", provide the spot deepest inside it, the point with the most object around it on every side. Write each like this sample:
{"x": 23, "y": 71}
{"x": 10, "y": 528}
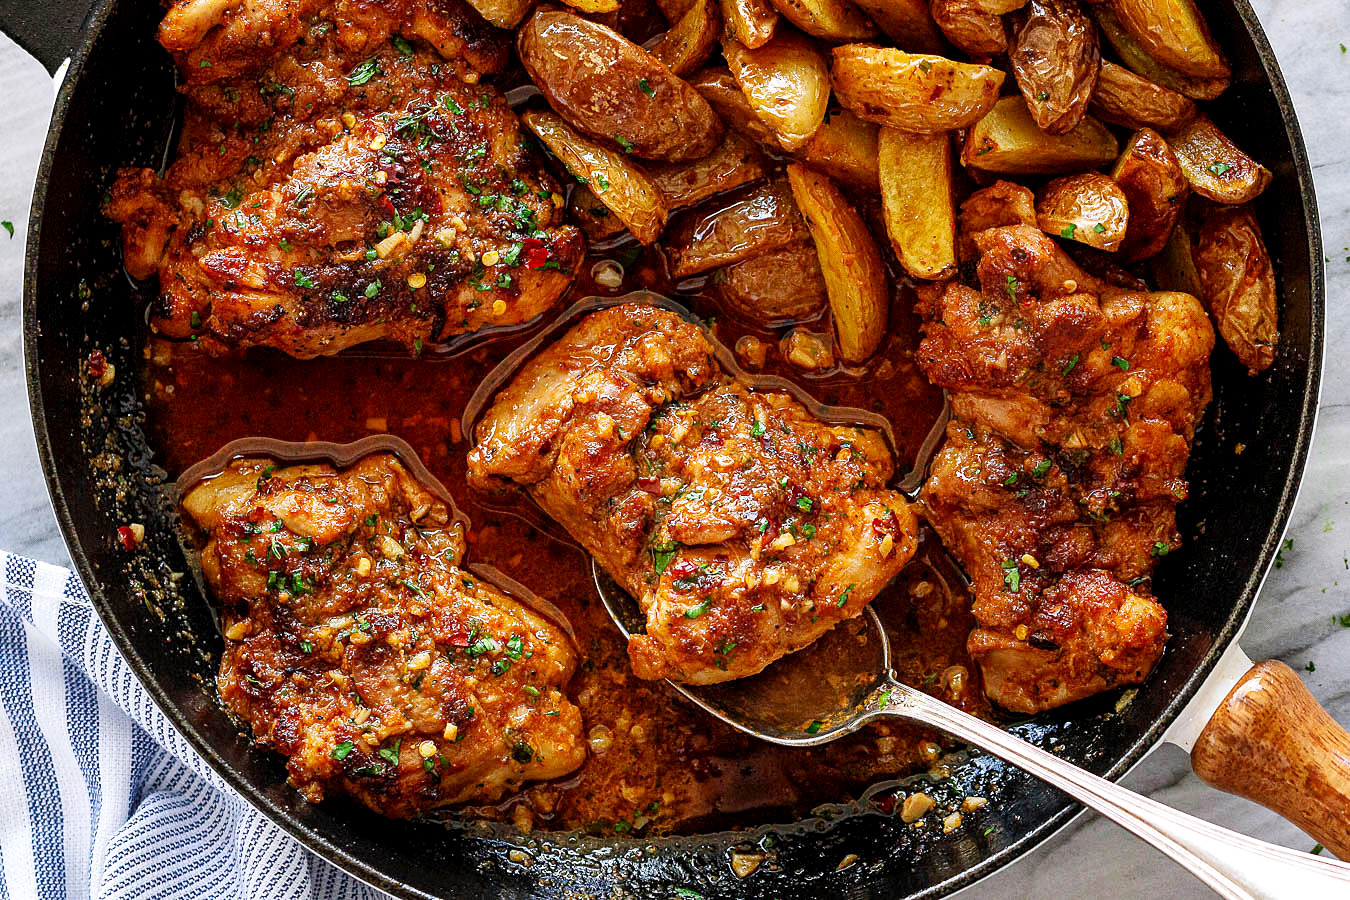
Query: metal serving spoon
{"x": 844, "y": 680}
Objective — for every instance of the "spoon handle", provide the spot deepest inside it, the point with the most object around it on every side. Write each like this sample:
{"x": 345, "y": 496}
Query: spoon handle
{"x": 1234, "y": 865}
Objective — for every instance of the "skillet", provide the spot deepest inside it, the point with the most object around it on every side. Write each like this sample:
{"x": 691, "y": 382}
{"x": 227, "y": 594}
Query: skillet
{"x": 115, "y": 108}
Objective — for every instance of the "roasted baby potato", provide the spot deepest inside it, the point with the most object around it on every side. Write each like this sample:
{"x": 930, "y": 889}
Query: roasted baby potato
{"x": 616, "y": 181}
{"x": 591, "y": 215}
{"x": 502, "y": 13}
{"x": 1125, "y": 98}
{"x": 917, "y": 202}
{"x": 1173, "y": 269}
{"x": 907, "y": 22}
{"x": 831, "y": 20}
{"x": 1239, "y": 284}
{"x": 845, "y": 148}
{"x": 1155, "y": 189}
{"x": 735, "y": 162}
{"x": 752, "y": 222}
{"x": 594, "y": 7}
{"x": 1089, "y": 208}
{"x": 849, "y": 260}
{"x": 610, "y": 88}
{"x": 970, "y": 28}
{"x": 910, "y": 91}
{"x": 691, "y": 39}
{"x": 1214, "y": 165}
{"x": 750, "y": 22}
{"x": 786, "y": 82}
{"x": 1007, "y": 140}
{"x": 718, "y": 86}
{"x": 1055, "y": 58}
{"x": 1133, "y": 54}
{"x": 1174, "y": 33}
{"x": 773, "y": 288}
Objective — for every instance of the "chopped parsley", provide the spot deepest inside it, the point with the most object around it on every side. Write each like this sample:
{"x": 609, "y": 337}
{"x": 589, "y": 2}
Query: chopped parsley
{"x": 364, "y": 72}
{"x": 1073, "y": 361}
{"x": 662, "y": 554}
{"x": 646, "y": 87}
{"x": 623, "y": 142}
{"x": 342, "y": 749}
{"x": 1011, "y": 288}
{"x": 843, "y": 598}
{"x": 1121, "y": 363}
{"x": 1068, "y": 230}
{"x": 1041, "y": 468}
{"x": 805, "y": 504}
{"x": 1160, "y": 550}
{"x": 699, "y": 608}
{"x": 1217, "y": 169}
{"x": 303, "y": 280}
{"x": 1012, "y": 576}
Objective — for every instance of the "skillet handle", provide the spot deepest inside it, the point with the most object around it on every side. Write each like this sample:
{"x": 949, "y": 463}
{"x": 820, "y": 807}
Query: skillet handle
{"x": 1271, "y": 742}
{"x": 49, "y": 30}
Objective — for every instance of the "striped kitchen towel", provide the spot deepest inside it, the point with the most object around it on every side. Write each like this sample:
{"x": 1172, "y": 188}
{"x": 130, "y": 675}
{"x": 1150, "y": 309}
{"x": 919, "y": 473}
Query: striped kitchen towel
{"x": 101, "y": 796}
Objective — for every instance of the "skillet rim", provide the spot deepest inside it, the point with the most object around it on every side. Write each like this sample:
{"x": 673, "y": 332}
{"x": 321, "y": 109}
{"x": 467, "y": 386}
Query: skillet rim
{"x": 369, "y": 872}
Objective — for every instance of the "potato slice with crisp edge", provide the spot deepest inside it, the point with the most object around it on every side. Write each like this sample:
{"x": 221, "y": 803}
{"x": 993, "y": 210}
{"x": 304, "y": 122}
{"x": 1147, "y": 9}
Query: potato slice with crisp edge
{"x": 786, "y": 82}
{"x": 1141, "y": 62}
{"x": 1089, "y": 208}
{"x": 752, "y": 23}
{"x": 1055, "y": 58}
{"x": 1124, "y": 98}
{"x": 735, "y": 162}
{"x": 691, "y": 39}
{"x": 748, "y": 223}
{"x": 831, "y": 20}
{"x": 616, "y": 180}
{"x": 970, "y": 28}
{"x": 907, "y": 22}
{"x": 917, "y": 202}
{"x": 724, "y": 95}
{"x": 912, "y": 91}
{"x": 502, "y": 13}
{"x": 1214, "y": 165}
{"x": 844, "y": 147}
{"x": 610, "y": 88}
{"x": 1008, "y": 141}
{"x": 1155, "y": 189}
{"x": 594, "y": 7}
{"x": 591, "y": 215}
{"x": 1174, "y": 33}
{"x": 1173, "y": 269}
{"x": 1239, "y": 284}
{"x": 855, "y": 279}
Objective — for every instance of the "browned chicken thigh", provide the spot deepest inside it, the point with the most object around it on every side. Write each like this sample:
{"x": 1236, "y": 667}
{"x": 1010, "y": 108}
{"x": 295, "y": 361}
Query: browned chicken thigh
{"x": 745, "y": 526}
{"x": 1074, "y": 405}
{"x": 342, "y": 177}
{"x": 357, "y": 647}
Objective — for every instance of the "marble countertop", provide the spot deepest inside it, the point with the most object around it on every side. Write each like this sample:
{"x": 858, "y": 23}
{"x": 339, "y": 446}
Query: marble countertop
{"x": 1293, "y": 617}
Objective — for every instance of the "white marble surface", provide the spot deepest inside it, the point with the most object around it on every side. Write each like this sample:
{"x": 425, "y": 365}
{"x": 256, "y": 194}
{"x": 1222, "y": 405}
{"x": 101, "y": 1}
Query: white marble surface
{"x": 1293, "y": 619}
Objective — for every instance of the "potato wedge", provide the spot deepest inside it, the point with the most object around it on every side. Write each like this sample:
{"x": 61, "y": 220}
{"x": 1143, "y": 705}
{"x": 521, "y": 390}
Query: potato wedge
{"x": 917, "y": 202}
{"x": 1089, "y": 208}
{"x": 750, "y": 22}
{"x": 774, "y": 288}
{"x": 1125, "y": 98}
{"x": 617, "y": 181}
{"x": 907, "y": 22}
{"x": 1174, "y": 33}
{"x": 1142, "y": 63}
{"x": 855, "y": 279}
{"x": 691, "y": 39}
{"x": 1055, "y": 58}
{"x": 1239, "y": 284}
{"x": 673, "y": 10}
{"x": 1173, "y": 269}
{"x": 911, "y": 91}
{"x": 502, "y": 13}
{"x": 591, "y": 215}
{"x": 1007, "y": 140}
{"x": 786, "y": 82}
{"x": 751, "y": 222}
{"x": 594, "y": 7}
{"x": 831, "y": 20}
{"x": 844, "y": 147}
{"x": 719, "y": 88}
{"x": 997, "y": 7}
{"x": 970, "y": 28}
{"x": 735, "y": 162}
{"x": 1155, "y": 189}
{"x": 611, "y": 89}
{"x": 1214, "y": 165}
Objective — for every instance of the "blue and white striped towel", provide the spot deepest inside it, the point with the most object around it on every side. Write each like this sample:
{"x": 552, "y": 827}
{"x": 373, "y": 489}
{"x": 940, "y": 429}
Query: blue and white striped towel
{"x": 102, "y": 798}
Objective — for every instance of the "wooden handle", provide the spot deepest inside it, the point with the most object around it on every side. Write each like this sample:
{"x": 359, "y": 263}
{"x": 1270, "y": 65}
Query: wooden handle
{"x": 1271, "y": 742}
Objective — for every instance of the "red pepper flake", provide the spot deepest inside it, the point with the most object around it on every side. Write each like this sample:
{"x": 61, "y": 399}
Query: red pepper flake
{"x": 126, "y": 536}
{"x": 649, "y": 484}
{"x": 683, "y": 569}
{"x": 387, "y": 205}
{"x": 886, "y": 526}
{"x": 534, "y": 253}
{"x": 98, "y": 364}
{"x": 257, "y": 515}
{"x": 459, "y": 635}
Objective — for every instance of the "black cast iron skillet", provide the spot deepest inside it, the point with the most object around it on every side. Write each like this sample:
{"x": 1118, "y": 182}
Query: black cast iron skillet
{"x": 115, "y": 109}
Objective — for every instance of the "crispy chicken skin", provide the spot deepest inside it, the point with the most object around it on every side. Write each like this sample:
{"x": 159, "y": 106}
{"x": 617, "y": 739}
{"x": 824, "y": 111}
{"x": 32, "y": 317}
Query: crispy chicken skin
{"x": 342, "y": 177}
{"x": 1074, "y": 405}
{"x": 745, "y": 526}
{"x": 357, "y": 648}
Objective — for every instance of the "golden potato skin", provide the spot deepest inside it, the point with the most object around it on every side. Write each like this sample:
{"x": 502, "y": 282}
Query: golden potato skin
{"x": 912, "y": 91}
{"x": 735, "y": 162}
{"x": 831, "y": 20}
{"x": 1174, "y": 33}
{"x": 750, "y": 22}
{"x": 1173, "y": 269}
{"x": 615, "y": 180}
{"x": 611, "y": 89}
{"x": 1124, "y": 98}
{"x": 1239, "y": 284}
{"x": 786, "y": 82}
{"x": 1007, "y": 140}
{"x": 748, "y": 223}
{"x": 855, "y": 278}
{"x": 1138, "y": 59}
{"x": 1214, "y": 165}
{"x": 907, "y": 22}
{"x": 970, "y": 28}
{"x": 691, "y": 39}
{"x": 773, "y": 288}
{"x": 1055, "y": 57}
{"x": 502, "y": 13}
{"x": 1089, "y": 208}
{"x": 1151, "y": 179}
{"x": 917, "y": 202}
{"x": 844, "y": 147}
{"x": 718, "y": 86}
